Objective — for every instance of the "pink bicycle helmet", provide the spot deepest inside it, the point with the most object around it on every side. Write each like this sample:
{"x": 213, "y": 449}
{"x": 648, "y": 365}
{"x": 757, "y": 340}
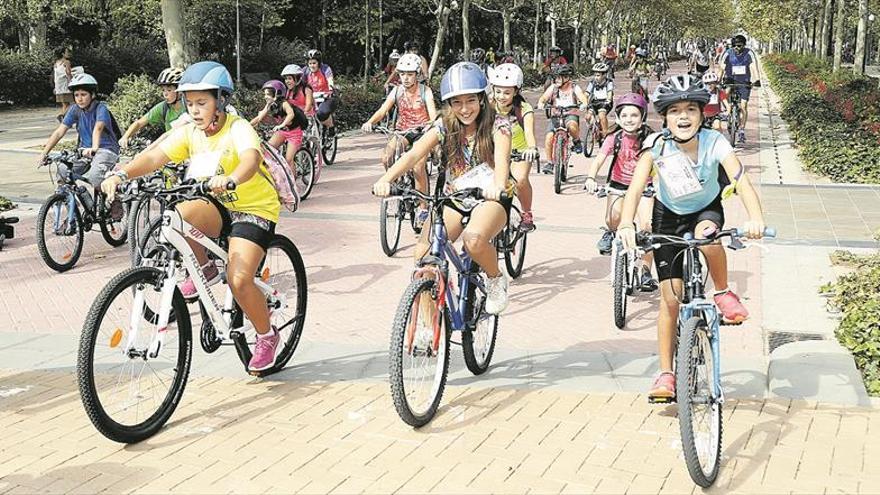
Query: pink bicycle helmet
{"x": 635, "y": 100}
{"x": 277, "y": 86}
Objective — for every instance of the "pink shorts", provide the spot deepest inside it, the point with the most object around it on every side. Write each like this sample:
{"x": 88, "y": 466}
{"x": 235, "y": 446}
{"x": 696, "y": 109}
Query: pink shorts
{"x": 294, "y": 137}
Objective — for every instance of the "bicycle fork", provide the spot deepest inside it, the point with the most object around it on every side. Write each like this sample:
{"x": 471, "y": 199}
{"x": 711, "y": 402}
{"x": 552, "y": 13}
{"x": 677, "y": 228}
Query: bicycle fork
{"x": 710, "y": 316}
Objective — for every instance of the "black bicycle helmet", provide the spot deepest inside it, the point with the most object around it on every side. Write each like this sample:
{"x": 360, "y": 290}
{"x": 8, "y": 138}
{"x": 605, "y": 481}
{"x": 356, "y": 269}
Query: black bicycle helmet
{"x": 738, "y": 39}
{"x": 564, "y": 70}
{"x": 555, "y": 49}
{"x": 679, "y": 88}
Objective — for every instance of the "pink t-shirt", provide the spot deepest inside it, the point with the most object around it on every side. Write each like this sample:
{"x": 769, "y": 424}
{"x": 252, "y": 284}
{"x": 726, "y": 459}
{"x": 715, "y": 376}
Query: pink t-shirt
{"x": 627, "y": 158}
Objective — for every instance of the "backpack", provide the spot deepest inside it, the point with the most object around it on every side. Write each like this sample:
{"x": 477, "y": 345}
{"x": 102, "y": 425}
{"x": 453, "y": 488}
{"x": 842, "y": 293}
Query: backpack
{"x": 114, "y": 126}
{"x": 282, "y": 179}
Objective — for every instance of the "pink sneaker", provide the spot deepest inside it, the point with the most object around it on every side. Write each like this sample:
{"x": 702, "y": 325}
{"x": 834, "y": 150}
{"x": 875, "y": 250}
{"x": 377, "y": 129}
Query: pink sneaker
{"x": 732, "y": 311}
{"x": 664, "y": 387}
{"x": 188, "y": 287}
{"x": 264, "y": 351}
{"x": 527, "y": 224}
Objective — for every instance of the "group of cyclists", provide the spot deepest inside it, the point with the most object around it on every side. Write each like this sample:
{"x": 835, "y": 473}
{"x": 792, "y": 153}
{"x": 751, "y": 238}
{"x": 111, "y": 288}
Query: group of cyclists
{"x": 483, "y": 121}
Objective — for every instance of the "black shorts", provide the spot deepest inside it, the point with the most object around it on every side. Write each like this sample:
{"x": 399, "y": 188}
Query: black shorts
{"x": 245, "y": 226}
{"x": 327, "y": 108}
{"x": 413, "y": 135}
{"x": 665, "y": 221}
{"x": 601, "y": 105}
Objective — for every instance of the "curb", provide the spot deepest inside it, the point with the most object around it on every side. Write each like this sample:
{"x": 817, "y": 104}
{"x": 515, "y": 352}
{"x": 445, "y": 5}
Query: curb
{"x": 820, "y": 370}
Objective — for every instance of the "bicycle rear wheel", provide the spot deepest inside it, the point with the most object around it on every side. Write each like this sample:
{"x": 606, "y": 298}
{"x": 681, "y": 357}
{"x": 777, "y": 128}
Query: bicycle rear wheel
{"x": 558, "y": 163}
{"x": 419, "y": 359}
{"x": 60, "y": 240}
{"x": 113, "y": 220}
{"x": 305, "y": 172}
{"x": 514, "y": 241}
{"x": 699, "y": 411}
{"x": 329, "y": 147}
{"x": 621, "y": 274}
{"x": 391, "y": 212}
{"x": 478, "y": 338}
{"x": 129, "y": 385}
{"x": 283, "y": 269}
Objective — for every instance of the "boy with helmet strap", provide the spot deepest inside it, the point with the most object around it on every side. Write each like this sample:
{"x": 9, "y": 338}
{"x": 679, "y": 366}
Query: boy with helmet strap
{"x": 563, "y": 93}
{"x": 600, "y": 90}
{"x": 285, "y": 118}
{"x": 686, "y": 158}
{"x": 95, "y": 126}
{"x": 221, "y": 148}
{"x": 739, "y": 64}
{"x": 164, "y": 112}
{"x": 320, "y": 78}
{"x": 471, "y": 138}
{"x": 507, "y": 81}
{"x": 413, "y": 104}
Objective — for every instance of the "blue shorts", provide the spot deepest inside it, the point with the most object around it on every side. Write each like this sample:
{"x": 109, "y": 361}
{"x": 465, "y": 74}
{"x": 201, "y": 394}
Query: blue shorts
{"x": 744, "y": 92}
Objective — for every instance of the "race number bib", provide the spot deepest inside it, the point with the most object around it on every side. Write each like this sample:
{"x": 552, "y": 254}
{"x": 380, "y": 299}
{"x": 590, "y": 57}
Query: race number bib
{"x": 713, "y": 100}
{"x": 204, "y": 165}
{"x": 678, "y": 175}
{"x": 600, "y": 94}
{"x": 482, "y": 176}
{"x": 739, "y": 70}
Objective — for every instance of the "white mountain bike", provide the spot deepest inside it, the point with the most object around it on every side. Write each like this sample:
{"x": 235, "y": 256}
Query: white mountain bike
{"x": 136, "y": 344}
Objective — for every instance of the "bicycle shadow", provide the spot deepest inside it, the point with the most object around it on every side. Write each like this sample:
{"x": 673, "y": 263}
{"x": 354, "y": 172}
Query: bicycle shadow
{"x": 320, "y": 277}
{"x": 127, "y": 478}
{"x": 542, "y": 282}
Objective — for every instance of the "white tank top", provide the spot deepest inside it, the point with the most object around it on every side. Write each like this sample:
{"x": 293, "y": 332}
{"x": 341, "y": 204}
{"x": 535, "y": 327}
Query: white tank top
{"x": 61, "y": 79}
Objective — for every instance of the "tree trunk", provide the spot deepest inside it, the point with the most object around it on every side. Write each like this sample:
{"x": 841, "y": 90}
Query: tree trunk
{"x": 537, "y": 24}
{"x": 861, "y": 38}
{"x": 24, "y": 41}
{"x": 466, "y": 28}
{"x": 442, "y": 14}
{"x": 826, "y": 30}
{"x": 37, "y": 29}
{"x": 838, "y": 33}
{"x": 506, "y": 14}
{"x": 366, "y": 41}
{"x": 175, "y": 35}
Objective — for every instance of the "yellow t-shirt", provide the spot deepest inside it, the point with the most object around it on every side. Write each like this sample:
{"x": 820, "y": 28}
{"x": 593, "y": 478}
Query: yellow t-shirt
{"x": 518, "y": 135}
{"x": 213, "y": 155}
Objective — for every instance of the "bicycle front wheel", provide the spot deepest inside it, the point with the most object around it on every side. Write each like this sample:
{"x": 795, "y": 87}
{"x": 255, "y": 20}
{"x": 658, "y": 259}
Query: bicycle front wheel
{"x": 60, "y": 232}
{"x": 732, "y": 126}
{"x": 141, "y": 214}
{"x": 699, "y": 409}
{"x": 329, "y": 148}
{"x": 391, "y": 211}
{"x": 514, "y": 244}
{"x": 305, "y": 172}
{"x": 559, "y": 163}
{"x": 113, "y": 221}
{"x": 590, "y": 140}
{"x": 132, "y": 372}
{"x": 419, "y": 359}
{"x": 621, "y": 274}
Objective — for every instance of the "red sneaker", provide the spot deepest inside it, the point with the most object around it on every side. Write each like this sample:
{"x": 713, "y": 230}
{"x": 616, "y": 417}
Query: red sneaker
{"x": 664, "y": 386}
{"x": 732, "y": 310}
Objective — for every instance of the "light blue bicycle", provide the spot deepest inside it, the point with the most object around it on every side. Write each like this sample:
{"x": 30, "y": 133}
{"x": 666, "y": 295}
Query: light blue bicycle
{"x": 698, "y": 358}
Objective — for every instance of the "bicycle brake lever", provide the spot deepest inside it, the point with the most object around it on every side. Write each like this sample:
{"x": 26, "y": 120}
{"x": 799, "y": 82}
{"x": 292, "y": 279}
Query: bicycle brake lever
{"x": 735, "y": 244}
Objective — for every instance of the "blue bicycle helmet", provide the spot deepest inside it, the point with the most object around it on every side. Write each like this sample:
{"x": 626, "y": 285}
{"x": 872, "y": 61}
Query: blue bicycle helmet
{"x": 207, "y": 75}
{"x": 461, "y": 79}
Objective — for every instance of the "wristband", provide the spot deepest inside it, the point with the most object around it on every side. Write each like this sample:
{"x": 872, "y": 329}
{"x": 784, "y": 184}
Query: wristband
{"x": 591, "y": 178}
{"x": 122, "y": 174}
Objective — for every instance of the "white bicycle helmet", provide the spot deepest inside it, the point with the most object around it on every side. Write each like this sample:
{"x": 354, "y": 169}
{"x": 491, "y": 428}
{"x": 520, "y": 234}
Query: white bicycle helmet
{"x": 600, "y": 67}
{"x": 409, "y": 62}
{"x": 292, "y": 70}
{"x": 170, "y": 77}
{"x": 507, "y": 75}
{"x": 710, "y": 78}
{"x": 85, "y": 81}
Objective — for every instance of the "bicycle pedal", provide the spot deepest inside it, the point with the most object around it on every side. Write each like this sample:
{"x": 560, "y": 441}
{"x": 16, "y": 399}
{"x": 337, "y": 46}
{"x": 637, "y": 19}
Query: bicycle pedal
{"x": 661, "y": 400}
{"x": 732, "y": 323}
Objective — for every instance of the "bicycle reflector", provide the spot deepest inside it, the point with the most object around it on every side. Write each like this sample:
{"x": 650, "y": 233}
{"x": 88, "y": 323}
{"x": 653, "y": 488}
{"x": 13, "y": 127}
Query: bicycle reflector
{"x": 265, "y": 275}
{"x": 116, "y": 338}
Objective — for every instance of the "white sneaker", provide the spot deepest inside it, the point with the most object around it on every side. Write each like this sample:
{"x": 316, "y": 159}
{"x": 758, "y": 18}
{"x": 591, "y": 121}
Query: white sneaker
{"x": 496, "y": 297}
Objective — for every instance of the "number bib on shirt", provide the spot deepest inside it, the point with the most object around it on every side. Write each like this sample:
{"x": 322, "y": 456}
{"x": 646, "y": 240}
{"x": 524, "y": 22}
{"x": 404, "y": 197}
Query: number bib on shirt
{"x": 600, "y": 93}
{"x": 679, "y": 177}
{"x": 482, "y": 176}
{"x": 204, "y": 165}
{"x": 739, "y": 70}
{"x": 713, "y": 100}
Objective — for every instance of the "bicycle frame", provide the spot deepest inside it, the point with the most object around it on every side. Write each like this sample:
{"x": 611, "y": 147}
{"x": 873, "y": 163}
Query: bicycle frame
{"x": 175, "y": 232}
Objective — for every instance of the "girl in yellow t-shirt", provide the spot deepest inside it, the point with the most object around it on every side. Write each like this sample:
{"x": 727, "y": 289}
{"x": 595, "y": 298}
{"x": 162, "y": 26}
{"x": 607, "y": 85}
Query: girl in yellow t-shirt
{"x": 221, "y": 148}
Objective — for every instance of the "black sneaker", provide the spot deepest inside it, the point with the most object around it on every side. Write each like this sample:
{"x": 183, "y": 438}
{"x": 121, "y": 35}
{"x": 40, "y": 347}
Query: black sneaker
{"x": 604, "y": 243}
{"x": 648, "y": 283}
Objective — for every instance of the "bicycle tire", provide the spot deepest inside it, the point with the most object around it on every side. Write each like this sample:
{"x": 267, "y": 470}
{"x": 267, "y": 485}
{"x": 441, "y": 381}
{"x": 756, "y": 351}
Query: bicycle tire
{"x": 73, "y": 256}
{"x": 389, "y": 235}
{"x": 305, "y": 172}
{"x": 139, "y": 220}
{"x": 477, "y": 359}
{"x": 398, "y": 347}
{"x": 109, "y": 226}
{"x": 329, "y": 148}
{"x": 147, "y": 243}
{"x": 589, "y": 139}
{"x": 514, "y": 244}
{"x": 290, "y": 338}
{"x": 694, "y": 337}
{"x": 732, "y": 125}
{"x": 558, "y": 163}
{"x": 85, "y": 368}
{"x": 621, "y": 272}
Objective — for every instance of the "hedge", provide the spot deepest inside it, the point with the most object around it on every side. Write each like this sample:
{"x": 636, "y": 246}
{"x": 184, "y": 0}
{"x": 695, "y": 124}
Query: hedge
{"x": 833, "y": 117}
{"x": 857, "y": 296}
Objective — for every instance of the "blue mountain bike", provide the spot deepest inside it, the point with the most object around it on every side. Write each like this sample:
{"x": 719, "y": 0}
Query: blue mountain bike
{"x": 698, "y": 358}
{"x": 430, "y": 309}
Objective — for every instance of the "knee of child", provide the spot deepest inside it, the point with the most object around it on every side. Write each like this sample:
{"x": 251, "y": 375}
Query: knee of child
{"x": 238, "y": 280}
{"x": 473, "y": 241}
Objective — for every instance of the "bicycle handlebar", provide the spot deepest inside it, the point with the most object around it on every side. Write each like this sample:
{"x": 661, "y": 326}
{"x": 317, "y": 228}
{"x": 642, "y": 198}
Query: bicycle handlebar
{"x": 470, "y": 192}
{"x": 651, "y": 242}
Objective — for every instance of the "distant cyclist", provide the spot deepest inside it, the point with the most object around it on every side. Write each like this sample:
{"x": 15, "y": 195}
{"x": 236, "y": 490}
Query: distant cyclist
{"x": 320, "y": 79}
{"x": 739, "y": 64}
{"x": 288, "y": 121}
{"x": 163, "y": 113}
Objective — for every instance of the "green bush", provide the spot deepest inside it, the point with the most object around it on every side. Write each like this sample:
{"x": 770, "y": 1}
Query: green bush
{"x": 357, "y": 102}
{"x": 857, "y": 296}
{"x": 248, "y": 102}
{"x": 26, "y": 78}
{"x": 833, "y": 117}
{"x": 108, "y": 63}
{"x": 5, "y": 204}
{"x": 132, "y": 96}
